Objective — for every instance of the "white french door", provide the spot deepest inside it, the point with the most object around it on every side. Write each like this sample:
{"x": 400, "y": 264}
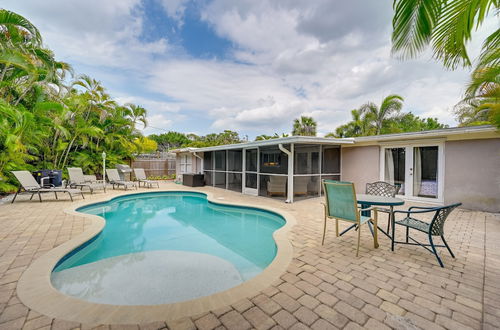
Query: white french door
{"x": 418, "y": 169}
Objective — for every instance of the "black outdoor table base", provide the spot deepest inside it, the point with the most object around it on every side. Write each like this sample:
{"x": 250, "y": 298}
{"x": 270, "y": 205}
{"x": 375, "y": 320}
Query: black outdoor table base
{"x": 370, "y": 223}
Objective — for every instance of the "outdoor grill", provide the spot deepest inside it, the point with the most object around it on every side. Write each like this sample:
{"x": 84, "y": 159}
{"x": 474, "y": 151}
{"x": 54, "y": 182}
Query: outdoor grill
{"x": 124, "y": 171}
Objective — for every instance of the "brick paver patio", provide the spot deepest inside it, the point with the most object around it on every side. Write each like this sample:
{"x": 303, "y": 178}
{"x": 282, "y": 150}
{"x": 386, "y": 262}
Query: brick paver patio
{"x": 325, "y": 287}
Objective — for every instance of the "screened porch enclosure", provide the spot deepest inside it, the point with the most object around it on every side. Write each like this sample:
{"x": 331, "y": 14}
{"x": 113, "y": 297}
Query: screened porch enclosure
{"x": 287, "y": 171}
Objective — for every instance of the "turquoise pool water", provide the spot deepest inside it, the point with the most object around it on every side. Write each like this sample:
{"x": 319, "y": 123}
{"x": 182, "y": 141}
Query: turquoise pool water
{"x": 180, "y": 221}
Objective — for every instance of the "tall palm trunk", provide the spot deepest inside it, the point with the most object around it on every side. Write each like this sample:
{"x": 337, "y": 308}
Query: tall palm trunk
{"x": 68, "y": 150}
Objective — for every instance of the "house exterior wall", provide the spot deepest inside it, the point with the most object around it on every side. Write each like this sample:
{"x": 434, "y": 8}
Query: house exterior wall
{"x": 360, "y": 165}
{"x": 472, "y": 174}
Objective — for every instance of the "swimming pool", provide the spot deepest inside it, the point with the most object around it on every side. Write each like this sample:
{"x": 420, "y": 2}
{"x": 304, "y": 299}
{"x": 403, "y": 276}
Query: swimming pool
{"x": 166, "y": 247}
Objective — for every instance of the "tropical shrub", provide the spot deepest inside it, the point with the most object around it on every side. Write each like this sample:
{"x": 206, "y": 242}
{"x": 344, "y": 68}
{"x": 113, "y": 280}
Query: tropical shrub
{"x": 48, "y": 119}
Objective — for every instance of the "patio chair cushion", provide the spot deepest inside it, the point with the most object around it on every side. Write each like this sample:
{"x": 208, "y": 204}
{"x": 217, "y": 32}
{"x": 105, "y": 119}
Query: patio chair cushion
{"x": 415, "y": 224}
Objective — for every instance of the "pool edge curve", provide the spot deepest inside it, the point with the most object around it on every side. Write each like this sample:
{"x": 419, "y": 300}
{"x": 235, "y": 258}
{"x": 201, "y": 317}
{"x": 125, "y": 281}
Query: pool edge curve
{"x": 35, "y": 289}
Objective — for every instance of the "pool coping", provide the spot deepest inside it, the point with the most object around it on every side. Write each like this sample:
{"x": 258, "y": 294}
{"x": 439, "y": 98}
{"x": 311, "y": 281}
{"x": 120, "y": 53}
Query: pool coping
{"x": 35, "y": 289}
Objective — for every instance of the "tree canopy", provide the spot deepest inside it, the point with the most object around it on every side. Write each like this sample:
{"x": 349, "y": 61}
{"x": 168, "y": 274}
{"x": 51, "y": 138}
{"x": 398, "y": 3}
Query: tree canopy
{"x": 48, "y": 118}
{"x": 370, "y": 119}
{"x": 305, "y": 126}
{"x": 173, "y": 140}
{"x": 447, "y": 26}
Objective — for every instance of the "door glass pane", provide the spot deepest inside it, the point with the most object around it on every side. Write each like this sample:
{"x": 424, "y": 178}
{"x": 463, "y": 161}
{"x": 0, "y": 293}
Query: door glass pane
{"x": 251, "y": 160}
{"x": 425, "y": 175}
{"x": 251, "y": 180}
{"x": 395, "y": 167}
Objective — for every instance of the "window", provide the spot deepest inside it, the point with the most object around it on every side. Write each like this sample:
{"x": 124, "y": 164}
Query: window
{"x": 273, "y": 160}
{"x": 186, "y": 165}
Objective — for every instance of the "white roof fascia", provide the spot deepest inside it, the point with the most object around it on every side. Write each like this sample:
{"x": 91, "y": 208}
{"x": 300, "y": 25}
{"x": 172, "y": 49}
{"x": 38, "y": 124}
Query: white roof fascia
{"x": 285, "y": 140}
{"x": 425, "y": 134}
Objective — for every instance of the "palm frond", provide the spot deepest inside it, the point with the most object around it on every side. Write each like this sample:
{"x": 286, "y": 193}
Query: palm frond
{"x": 413, "y": 23}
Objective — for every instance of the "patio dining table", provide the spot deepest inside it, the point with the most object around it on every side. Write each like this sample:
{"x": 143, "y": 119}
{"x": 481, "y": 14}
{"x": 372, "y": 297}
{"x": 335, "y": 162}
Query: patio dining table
{"x": 373, "y": 200}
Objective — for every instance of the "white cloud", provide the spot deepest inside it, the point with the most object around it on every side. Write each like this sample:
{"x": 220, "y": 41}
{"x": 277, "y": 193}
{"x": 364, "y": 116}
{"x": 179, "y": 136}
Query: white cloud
{"x": 93, "y": 32}
{"x": 175, "y": 9}
{"x": 321, "y": 58}
{"x": 157, "y": 124}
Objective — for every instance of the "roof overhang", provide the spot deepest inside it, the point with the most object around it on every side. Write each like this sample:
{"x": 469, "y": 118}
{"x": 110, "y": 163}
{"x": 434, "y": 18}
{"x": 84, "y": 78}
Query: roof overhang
{"x": 271, "y": 142}
{"x": 445, "y": 134}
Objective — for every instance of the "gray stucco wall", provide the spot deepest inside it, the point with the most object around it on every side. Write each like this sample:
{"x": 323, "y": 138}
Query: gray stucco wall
{"x": 360, "y": 165}
{"x": 472, "y": 174}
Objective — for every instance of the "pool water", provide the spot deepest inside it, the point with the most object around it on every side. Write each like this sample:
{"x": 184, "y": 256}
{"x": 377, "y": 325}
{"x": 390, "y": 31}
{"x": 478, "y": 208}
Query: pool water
{"x": 175, "y": 234}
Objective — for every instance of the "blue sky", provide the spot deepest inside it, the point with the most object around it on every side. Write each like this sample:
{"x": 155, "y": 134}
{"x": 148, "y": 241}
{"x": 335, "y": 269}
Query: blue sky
{"x": 248, "y": 65}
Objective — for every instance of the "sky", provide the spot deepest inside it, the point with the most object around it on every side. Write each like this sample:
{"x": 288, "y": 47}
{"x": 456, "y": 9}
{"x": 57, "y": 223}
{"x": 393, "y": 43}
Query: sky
{"x": 252, "y": 66}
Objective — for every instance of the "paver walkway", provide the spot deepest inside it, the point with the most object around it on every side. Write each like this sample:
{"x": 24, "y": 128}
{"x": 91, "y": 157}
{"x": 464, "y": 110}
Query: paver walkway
{"x": 325, "y": 287}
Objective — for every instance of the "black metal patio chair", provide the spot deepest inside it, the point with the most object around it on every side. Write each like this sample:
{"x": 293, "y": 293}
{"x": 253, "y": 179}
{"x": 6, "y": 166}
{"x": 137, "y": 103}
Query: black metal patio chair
{"x": 434, "y": 228}
{"x": 381, "y": 188}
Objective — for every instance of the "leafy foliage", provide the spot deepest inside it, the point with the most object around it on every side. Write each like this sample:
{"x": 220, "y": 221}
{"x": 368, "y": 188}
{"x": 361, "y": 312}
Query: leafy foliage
{"x": 447, "y": 27}
{"x": 170, "y": 140}
{"x": 269, "y": 137}
{"x": 214, "y": 139}
{"x": 145, "y": 145}
{"x": 391, "y": 106}
{"x": 46, "y": 122}
{"x": 305, "y": 126}
{"x": 173, "y": 140}
{"x": 372, "y": 120}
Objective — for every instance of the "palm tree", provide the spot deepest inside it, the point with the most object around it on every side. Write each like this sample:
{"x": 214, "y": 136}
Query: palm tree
{"x": 305, "y": 126}
{"x": 99, "y": 102}
{"x": 136, "y": 113}
{"x": 14, "y": 28}
{"x": 360, "y": 125}
{"x": 391, "y": 105}
{"x": 483, "y": 91}
{"x": 447, "y": 26}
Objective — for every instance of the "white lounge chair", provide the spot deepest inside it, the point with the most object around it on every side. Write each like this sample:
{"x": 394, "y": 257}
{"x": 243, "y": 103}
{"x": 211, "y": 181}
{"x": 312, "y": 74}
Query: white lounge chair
{"x": 276, "y": 185}
{"x": 29, "y": 185}
{"x": 114, "y": 179}
{"x": 140, "y": 176}
{"x": 78, "y": 179}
